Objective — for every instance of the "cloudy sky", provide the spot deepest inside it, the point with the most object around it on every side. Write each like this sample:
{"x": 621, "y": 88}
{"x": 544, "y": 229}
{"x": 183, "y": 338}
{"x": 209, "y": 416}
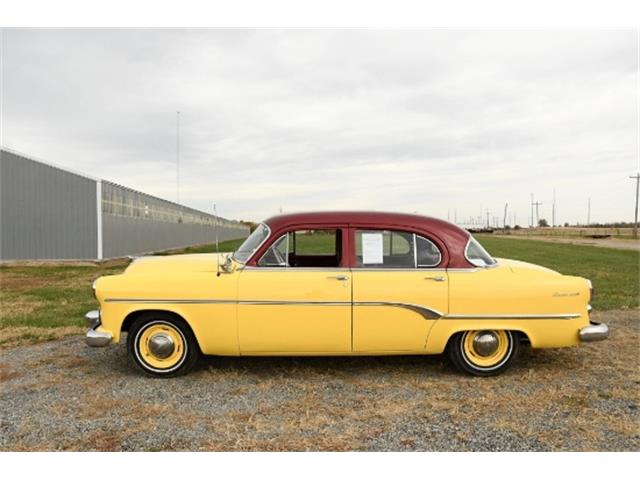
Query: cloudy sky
{"x": 426, "y": 121}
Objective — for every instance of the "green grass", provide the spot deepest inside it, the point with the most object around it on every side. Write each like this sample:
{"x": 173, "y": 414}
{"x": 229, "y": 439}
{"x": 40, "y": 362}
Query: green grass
{"x": 48, "y": 296}
{"x": 228, "y": 246}
{"x": 615, "y": 273}
{"x": 55, "y": 297}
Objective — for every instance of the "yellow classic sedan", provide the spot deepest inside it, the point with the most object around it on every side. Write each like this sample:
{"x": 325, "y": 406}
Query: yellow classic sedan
{"x": 341, "y": 283}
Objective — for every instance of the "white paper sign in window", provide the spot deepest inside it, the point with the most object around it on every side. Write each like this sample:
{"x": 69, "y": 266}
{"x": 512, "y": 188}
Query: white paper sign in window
{"x": 372, "y": 248}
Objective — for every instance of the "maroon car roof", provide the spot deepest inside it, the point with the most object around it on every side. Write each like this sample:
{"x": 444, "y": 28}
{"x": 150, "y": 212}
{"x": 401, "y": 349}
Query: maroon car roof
{"x": 454, "y": 238}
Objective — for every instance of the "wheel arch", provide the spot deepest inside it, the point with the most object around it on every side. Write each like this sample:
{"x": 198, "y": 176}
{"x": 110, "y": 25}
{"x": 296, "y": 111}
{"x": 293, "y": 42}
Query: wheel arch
{"x": 441, "y": 335}
{"x": 522, "y": 335}
{"x": 134, "y": 315}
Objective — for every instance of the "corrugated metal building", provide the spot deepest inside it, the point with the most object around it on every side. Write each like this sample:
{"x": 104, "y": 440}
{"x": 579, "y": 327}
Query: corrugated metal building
{"x": 47, "y": 212}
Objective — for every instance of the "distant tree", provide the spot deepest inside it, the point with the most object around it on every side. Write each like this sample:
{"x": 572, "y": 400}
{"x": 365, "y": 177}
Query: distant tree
{"x": 252, "y": 225}
{"x": 543, "y": 223}
{"x": 517, "y": 227}
{"x": 566, "y": 224}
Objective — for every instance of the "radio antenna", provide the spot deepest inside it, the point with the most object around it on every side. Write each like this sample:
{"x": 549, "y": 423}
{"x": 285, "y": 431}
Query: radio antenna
{"x": 215, "y": 214}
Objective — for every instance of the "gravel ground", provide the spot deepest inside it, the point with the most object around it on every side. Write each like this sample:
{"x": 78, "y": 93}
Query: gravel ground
{"x": 62, "y": 395}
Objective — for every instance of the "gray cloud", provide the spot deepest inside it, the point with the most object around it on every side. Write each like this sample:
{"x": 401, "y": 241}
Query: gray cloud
{"x": 414, "y": 120}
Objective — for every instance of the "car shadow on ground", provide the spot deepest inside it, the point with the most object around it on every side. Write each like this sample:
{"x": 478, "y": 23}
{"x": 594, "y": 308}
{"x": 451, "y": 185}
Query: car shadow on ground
{"x": 261, "y": 366}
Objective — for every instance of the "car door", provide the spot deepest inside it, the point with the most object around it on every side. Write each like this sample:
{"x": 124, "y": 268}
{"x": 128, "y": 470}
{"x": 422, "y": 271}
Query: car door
{"x": 297, "y": 300}
{"x": 398, "y": 290}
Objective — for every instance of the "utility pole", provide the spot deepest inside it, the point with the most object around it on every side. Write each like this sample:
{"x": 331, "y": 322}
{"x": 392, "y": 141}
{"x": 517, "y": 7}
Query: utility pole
{"x": 178, "y": 157}
{"x": 553, "y": 209}
{"x": 504, "y": 221}
{"x": 537, "y": 204}
{"x": 589, "y": 212}
{"x": 635, "y": 224}
{"x": 488, "y": 224}
{"x": 531, "y": 217}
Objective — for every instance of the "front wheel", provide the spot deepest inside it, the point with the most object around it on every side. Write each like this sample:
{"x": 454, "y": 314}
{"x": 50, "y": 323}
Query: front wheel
{"x": 484, "y": 352}
{"x": 162, "y": 345}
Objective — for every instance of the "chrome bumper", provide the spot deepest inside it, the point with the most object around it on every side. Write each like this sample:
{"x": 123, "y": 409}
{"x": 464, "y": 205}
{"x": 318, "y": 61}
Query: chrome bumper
{"x": 97, "y": 339}
{"x": 94, "y": 338}
{"x": 594, "y": 332}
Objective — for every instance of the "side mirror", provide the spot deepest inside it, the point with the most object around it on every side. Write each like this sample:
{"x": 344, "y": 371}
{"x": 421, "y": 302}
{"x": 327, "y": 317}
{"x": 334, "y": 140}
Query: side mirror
{"x": 226, "y": 266}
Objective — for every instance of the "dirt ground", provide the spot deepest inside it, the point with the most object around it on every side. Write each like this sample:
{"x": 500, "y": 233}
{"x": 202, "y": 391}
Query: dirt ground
{"x": 618, "y": 243}
{"x": 62, "y": 395}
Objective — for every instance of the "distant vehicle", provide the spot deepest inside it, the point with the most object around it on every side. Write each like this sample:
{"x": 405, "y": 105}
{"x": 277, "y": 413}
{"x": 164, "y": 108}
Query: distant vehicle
{"x": 342, "y": 283}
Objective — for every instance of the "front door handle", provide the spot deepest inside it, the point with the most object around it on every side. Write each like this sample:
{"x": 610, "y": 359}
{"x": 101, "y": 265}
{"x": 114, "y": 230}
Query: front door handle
{"x": 339, "y": 277}
{"x": 436, "y": 278}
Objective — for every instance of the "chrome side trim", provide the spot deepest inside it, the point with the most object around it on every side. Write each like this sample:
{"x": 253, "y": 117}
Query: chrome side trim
{"x": 168, "y": 300}
{"x": 228, "y": 302}
{"x": 302, "y": 303}
{"x": 525, "y": 316}
{"x": 427, "y": 313}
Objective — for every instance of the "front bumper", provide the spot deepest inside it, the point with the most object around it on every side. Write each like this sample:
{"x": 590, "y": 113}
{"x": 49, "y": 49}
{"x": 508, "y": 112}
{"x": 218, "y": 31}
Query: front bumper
{"x": 95, "y": 338}
{"x": 594, "y": 332}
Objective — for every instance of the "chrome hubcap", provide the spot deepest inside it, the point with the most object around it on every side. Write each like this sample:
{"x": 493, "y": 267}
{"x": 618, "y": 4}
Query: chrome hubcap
{"x": 161, "y": 345}
{"x": 485, "y": 343}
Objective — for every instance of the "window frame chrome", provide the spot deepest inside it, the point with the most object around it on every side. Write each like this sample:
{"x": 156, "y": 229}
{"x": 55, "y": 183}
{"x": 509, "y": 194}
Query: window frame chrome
{"x": 415, "y": 242}
{"x": 475, "y": 265}
{"x": 273, "y": 245}
{"x": 268, "y": 236}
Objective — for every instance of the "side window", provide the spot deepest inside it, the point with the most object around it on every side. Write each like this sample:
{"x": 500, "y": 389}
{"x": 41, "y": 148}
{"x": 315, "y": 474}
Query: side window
{"x": 428, "y": 253}
{"x": 305, "y": 248}
{"x": 278, "y": 253}
{"x": 384, "y": 249}
{"x": 394, "y": 249}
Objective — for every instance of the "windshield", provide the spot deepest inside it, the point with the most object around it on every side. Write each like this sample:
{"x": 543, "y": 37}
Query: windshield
{"x": 251, "y": 244}
{"x": 477, "y": 255}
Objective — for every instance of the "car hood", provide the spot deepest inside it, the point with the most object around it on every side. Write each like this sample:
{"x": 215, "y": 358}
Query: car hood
{"x": 516, "y": 266}
{"x": 199, "y": 262}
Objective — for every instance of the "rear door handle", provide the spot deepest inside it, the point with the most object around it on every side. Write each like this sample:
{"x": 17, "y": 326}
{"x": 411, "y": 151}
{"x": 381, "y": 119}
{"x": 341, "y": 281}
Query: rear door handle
{"x": 339, "y": 277}
{"x": 436, "y": 279}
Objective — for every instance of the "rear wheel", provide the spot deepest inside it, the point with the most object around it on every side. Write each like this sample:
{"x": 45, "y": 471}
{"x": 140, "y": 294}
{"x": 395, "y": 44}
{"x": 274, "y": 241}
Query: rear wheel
{"x": 484, "y": 352}
{"x": 162, "y": 345}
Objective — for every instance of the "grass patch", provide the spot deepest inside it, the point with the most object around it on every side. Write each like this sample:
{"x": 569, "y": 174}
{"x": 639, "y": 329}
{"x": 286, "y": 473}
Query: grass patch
{"x": 228, "y": 246}
{"x": 47, "y": 297}
{"x": 615, "y": 273}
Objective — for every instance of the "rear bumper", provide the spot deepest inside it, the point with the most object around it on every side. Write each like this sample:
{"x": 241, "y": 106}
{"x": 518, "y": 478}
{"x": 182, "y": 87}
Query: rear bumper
{"x": 594, "y": 332}
{"x": 95, "y": 338}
